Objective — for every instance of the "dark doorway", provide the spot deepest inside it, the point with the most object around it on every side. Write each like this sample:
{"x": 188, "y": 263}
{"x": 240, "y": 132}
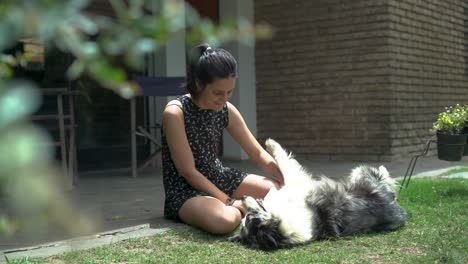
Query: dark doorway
{"x": 206, "y": 8}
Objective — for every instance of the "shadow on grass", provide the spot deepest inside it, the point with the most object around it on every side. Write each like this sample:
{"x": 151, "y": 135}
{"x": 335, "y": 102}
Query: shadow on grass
{"x": 188, "y": 232}
{"x": 454, "y": 192}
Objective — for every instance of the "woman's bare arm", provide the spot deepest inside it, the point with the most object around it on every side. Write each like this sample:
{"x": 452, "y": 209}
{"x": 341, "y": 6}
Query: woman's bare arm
{"x": 257, "y": 154}
{"x": 181, "y": 153}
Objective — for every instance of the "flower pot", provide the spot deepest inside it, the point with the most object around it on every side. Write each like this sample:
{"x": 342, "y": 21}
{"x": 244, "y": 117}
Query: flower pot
{"x": 465, "y": 131}
{"x": 450, "y": 147}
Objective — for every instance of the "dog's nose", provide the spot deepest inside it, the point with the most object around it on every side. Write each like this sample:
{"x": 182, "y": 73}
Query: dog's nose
{"x": 244, "y": 197}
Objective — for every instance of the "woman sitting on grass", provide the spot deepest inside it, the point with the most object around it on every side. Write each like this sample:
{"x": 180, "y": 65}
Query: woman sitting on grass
{"x": 200, "y": 190}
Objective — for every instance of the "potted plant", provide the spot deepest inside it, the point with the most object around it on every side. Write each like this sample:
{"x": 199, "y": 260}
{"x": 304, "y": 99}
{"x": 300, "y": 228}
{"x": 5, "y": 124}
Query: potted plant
{"x": 451, "y": 139}
{"x": 465, "y": 129}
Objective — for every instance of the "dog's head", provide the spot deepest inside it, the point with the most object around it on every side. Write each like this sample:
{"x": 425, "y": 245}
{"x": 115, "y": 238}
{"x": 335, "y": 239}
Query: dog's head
{"x": 259, "y": 228}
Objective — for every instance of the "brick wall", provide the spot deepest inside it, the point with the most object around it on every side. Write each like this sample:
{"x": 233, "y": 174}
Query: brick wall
{"x": 358, "y": 80}
{"x": 428, "y": 66}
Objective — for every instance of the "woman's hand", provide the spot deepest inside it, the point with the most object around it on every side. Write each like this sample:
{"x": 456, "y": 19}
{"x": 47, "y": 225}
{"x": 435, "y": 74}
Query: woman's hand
{"x": 238, "y": 204}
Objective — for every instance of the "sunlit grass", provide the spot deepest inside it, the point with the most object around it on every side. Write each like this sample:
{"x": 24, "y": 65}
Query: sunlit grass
{"x": 461, "y": 169}
{"x": 436, "y": 233}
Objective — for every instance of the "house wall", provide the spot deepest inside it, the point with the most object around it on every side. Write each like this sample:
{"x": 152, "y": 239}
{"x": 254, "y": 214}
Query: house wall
{"x": 428, "y": 67}
{"x": 358, "y": 80}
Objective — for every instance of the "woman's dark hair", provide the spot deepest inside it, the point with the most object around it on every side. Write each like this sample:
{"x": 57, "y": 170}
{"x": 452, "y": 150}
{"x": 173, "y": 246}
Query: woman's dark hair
{"x": 206, "y": 64}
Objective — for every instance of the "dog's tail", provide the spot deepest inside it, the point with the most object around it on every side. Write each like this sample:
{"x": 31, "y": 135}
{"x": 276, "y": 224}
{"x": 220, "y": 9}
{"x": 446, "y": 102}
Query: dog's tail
{"x": 341, "y": 210}
{"x": 372, "y": 179}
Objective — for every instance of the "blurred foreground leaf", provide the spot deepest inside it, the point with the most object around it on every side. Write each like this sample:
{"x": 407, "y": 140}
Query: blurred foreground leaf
{"x": 103, "y": 48}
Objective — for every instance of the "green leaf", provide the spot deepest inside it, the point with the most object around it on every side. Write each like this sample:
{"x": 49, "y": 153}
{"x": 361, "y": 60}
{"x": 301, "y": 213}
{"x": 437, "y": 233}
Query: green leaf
{"x": 5, "y": 71}
{"x": 145, "y": 45}
{"x": 119, "y": 8}
{"x": 75, "y": 70}
{"x": 20, "y": 99}
{"x": 134, "y": 59}
{"x": 135, "y": 9}
{"x": 77, "y": 4}
{"x": 86, "y": 25}
{"x": 106, "y": 74}
{"x": 8, "y": 34}
{"x": 89, "y": 50}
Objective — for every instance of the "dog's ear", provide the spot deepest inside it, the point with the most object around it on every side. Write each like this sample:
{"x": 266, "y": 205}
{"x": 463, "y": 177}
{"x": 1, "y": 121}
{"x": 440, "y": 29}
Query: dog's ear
{"x": 266, "y": 240}
{"x": 235, "y": 238}
{"x": 383, "y": 171}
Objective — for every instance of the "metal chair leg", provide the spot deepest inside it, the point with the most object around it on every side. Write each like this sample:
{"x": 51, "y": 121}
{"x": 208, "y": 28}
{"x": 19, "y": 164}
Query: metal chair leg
{"x": 152, "y": 158}
{"x": 412, "y": 164}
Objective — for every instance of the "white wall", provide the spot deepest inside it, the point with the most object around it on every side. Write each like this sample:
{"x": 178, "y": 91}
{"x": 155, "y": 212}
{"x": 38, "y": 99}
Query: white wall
{"x": 244, "y": 97}
{"x": 169, "y": 61}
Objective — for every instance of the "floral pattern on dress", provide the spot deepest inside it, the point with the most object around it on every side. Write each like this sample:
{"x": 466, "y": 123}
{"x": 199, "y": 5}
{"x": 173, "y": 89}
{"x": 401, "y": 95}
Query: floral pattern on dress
{"x": 204, "y": 130}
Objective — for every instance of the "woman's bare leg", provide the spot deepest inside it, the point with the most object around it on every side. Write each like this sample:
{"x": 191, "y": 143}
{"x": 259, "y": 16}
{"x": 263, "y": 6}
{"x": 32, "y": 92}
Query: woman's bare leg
{"x": 256, "y": 186}
{"x": 210, "y": 214}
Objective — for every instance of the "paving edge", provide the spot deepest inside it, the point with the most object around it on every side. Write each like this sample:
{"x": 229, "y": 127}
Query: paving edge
{"x": 81, "y": 243}
{"x": 439, "y": 172}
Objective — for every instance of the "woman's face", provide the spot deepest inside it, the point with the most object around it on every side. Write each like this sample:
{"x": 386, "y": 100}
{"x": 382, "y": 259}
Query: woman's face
{"x": 216, "y": 94}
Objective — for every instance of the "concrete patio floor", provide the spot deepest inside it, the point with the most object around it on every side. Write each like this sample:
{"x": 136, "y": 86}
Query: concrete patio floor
{"x": 116, "y": 201}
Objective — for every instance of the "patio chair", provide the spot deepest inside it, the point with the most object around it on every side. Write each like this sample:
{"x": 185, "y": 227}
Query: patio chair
{"x": 61, "y": 125}
{"x": 151, "y": 86}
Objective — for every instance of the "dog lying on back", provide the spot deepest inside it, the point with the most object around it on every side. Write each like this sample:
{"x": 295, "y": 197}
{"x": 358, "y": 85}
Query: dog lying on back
{"x": 307, "y": 209}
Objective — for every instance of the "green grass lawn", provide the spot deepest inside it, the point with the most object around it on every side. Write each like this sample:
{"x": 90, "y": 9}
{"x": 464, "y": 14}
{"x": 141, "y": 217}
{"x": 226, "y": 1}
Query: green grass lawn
{"x": 436, "y": 233}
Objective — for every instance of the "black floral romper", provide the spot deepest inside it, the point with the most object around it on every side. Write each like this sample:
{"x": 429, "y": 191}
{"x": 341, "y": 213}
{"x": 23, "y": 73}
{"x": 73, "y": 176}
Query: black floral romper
{"x": 204, "y": 131}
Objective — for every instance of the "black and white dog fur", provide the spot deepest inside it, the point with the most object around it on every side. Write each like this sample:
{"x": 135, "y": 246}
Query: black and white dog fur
{"x": 308, "y": 208}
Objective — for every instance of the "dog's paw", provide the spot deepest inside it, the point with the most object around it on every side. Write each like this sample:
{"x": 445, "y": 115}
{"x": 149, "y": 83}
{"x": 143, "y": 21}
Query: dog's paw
{"x": 272, "y": 146}
{"x": 234, "y": 238}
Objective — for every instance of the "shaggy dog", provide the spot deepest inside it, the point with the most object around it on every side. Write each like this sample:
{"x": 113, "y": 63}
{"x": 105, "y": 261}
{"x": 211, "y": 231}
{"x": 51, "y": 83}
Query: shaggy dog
{"x": 308, "y": 208}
